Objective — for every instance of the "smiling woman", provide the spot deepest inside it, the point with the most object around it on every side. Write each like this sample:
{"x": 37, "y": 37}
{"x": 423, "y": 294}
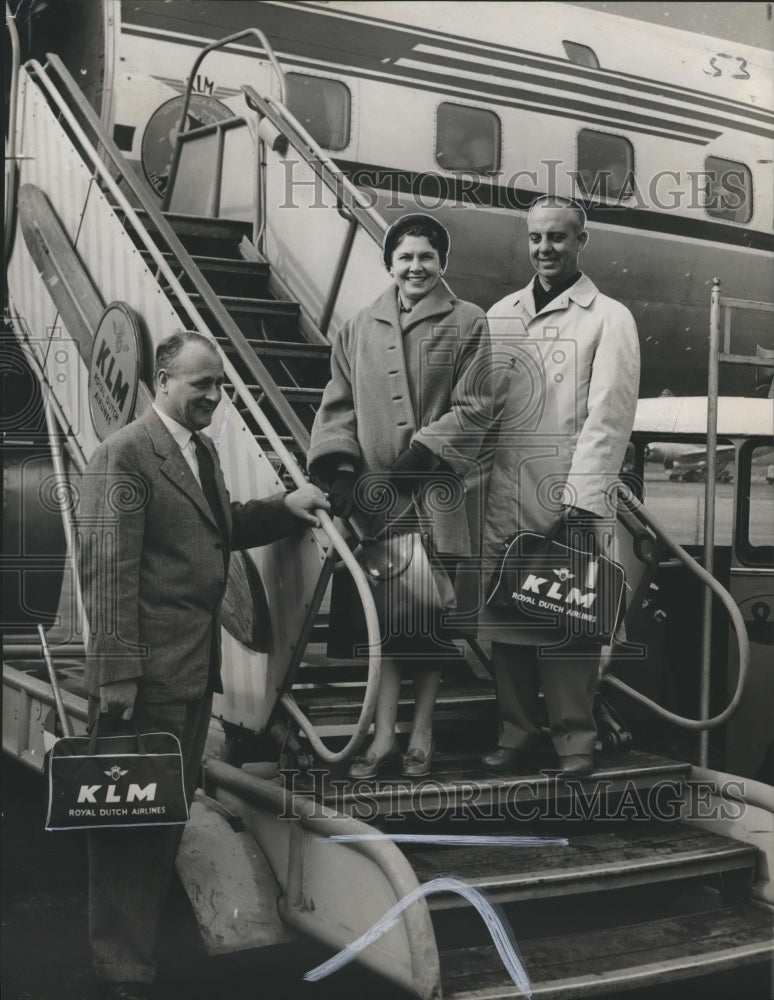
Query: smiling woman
{"x": 405, "y": 410}
{"x": 416, "y": 268}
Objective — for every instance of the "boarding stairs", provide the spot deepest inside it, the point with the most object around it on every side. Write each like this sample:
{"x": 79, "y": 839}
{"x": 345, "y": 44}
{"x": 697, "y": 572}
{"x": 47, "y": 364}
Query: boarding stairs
{"x": 646, "y": 890}
{"x": 294, "y": 359}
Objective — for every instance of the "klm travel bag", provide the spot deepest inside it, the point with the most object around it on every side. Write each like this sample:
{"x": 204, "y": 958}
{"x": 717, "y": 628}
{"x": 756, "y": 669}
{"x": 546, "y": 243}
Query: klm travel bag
{"x": 564, "y": 593}
{"x": 115, "y": 781}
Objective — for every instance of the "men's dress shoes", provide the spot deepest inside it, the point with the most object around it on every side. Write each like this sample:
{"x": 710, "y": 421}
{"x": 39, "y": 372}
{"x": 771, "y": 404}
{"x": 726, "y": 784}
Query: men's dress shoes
{"x": 369, "y": 765}
{"x": 416, "y": 763}
{"x": 128, "y": 991}
{"x": 577, "y": 765}
{"x": 506, "y": 760}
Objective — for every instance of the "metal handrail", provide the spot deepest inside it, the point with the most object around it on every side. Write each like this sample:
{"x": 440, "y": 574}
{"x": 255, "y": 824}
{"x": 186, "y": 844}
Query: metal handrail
{"x": 213, "y": 303}
{"x": 331, "y": 175}
{"x": 11, "y": 166}
{"x": 634, "y": 505}
{"x": 349, "y": 198}
{"x": 220, "y": 43}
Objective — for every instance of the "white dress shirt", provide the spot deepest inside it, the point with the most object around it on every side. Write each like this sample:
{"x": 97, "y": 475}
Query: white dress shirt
{"x": 184, "y": 440}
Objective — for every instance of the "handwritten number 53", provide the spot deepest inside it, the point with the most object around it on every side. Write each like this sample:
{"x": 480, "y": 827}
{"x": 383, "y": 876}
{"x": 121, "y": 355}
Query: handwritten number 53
{"x": 737, "y": 63}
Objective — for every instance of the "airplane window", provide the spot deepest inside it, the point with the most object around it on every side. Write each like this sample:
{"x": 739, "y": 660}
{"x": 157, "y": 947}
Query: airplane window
{"x": 674, "y": 477}
{"x": 581, "y": 55}
{"x": 322, "y": 106}
{"x": 729, "y": 190}
{"x": 467, "y": 139}
{"x": 605, "y": 164}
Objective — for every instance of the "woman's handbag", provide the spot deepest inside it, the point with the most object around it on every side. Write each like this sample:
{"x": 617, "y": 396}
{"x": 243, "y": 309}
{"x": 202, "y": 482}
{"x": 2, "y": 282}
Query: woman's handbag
{"x": 108, "y": 781}
{"x": 411, "y": 587}
{"x": 569, "y": 592}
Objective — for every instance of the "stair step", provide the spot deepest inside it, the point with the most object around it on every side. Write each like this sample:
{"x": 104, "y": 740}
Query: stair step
{"x": 290, "y": 443}
{"x": 200, "y": 226}
{"x": 290, "y": 349}
{"x": 517, "y": 796}
{"x": 239, "y": 306}
{"x": 629, "y": 855}
{"x": 340, "y": 700}
{"x": 221, "y": 265}
{"x": 577, "y": 966}
{"x": 618, "y": 779}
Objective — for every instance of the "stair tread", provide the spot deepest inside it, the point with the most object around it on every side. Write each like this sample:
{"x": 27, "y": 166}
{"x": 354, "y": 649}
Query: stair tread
{"x": 242, "y": 304}
{"x": 597, "y": 962}
{"x": 288, "y": 347}
{"x": 321, "y": 700}
{"x": 631, "y": 852}
{"x": 230, "y": 264}
{"x": 200, "y": 225}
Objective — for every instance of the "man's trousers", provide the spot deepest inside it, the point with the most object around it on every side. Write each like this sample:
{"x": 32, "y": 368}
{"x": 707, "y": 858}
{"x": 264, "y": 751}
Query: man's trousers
{"x": 569, "y": 686}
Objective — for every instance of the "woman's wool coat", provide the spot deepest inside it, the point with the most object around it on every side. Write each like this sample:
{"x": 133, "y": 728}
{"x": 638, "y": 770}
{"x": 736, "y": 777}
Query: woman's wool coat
{"x": 426, "y": 382}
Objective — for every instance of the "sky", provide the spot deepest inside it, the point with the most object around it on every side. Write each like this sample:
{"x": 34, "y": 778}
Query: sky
{"x": 749, "y": 23}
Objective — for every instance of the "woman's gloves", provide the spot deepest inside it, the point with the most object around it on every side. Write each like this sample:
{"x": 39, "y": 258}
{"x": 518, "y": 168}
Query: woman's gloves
{"x": 409, "y": 472}
{"x": 412, "y": 467}
{"x": 341, "y": 495}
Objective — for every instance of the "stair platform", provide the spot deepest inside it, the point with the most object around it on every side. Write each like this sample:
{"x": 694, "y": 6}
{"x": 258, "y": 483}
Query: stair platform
{"x": 628, "y": 785}
{"x": 619, "y": 857}
{"x": 636, "y": 954}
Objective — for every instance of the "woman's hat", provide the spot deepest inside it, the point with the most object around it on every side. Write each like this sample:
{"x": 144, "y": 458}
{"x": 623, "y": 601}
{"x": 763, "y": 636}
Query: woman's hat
{"x": 436, "y": 232}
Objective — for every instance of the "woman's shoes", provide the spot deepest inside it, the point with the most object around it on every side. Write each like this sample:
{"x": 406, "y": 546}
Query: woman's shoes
{"x": 369, "y": 764}
{"x": 416, "y": 763}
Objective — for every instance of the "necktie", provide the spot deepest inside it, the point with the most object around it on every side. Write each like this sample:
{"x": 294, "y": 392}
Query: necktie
{"x": 207, "y": 477}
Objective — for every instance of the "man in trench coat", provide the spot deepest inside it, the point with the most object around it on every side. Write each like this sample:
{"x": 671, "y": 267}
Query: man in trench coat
{"x": 156, "y": 529}
{"x": 571, "y": 360}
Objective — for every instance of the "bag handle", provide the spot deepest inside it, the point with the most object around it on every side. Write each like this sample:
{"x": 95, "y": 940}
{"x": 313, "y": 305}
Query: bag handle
{"x": 94, "y": 732}
{"x": 554, "y": 530}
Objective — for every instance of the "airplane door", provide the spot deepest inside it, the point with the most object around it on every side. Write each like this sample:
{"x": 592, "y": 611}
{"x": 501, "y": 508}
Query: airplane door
{"x": 750, "y": 731}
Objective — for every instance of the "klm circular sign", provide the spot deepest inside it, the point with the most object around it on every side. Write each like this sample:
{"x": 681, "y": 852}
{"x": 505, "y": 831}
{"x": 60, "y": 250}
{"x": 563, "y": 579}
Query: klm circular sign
{"x": 114, "y": 370}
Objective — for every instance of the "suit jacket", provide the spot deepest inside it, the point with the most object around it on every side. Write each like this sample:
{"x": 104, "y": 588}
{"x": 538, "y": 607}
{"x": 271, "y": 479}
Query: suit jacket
{"x": 153, "y": 562}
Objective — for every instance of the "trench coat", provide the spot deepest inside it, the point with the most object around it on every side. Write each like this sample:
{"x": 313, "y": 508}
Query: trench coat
{"x": 154, "y": 562}
{"x": 569, "y": 379}
{"x": 428, "y": 383}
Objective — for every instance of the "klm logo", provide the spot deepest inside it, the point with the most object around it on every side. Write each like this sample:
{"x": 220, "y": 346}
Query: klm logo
{"x": 558, "y": 589}
{"x": 105, "y": 364}
{"x": 94, "y": 794}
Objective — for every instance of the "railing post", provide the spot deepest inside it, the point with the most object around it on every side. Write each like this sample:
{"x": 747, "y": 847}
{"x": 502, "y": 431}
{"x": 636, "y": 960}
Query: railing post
{"x": 709, "y": 516}
{"x": 220, "y": 43}
{"x": 338, "y": 277}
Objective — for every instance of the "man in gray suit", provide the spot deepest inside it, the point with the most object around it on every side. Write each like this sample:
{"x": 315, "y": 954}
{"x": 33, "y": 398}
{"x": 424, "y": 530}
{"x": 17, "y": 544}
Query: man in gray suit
{"x": 156, "y": 529}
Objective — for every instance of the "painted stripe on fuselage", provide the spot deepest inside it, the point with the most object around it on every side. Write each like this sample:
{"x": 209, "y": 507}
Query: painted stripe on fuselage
{"x": 668, "y": 130}
{"x": 440, "y": 60}
{"x": 362, "y": 43}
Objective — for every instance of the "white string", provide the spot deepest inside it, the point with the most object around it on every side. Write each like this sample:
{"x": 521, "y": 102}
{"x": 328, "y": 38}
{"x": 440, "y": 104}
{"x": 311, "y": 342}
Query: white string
{"x": 496, "y": 922}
